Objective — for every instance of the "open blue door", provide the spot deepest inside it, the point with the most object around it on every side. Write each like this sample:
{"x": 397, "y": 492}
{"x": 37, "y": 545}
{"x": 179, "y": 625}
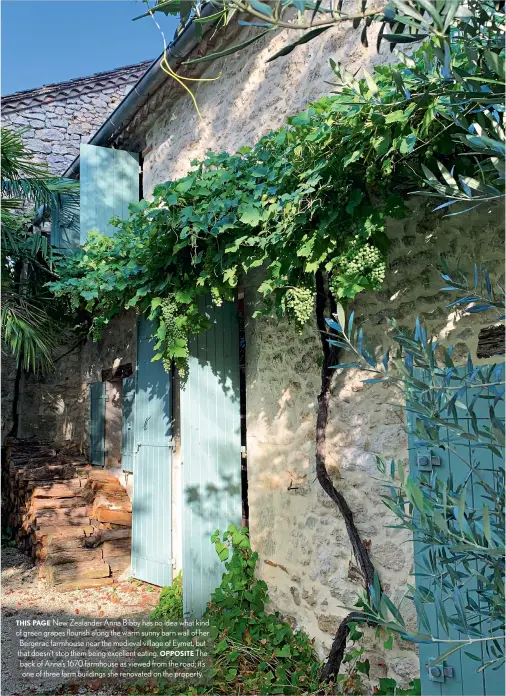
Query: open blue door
{"x": 211, "y": 452}
{"x": 109, "y": 183}
{"x": 151, "y": 508}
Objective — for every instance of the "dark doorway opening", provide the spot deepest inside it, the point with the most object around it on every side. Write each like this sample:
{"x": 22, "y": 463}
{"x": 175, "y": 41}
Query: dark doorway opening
{"x": 113, "y": 379}
{"x": 242, "y": 388}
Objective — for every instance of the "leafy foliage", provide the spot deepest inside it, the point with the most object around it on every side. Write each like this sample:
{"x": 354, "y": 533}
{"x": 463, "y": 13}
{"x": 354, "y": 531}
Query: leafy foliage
{"x": 311, "y": 196}
{"x": 30, "y": 322}
{"x": 463, "y": 72}
{"x": 256, "y": 651}
{"x": 459, "y": 519}
{"x": 250, "y": 642}
{"x": 170, "y": 604}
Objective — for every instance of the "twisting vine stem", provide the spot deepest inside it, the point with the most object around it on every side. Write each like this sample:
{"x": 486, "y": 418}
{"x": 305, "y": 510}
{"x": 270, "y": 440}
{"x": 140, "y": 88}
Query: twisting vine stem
{"x": 330, "y": 357}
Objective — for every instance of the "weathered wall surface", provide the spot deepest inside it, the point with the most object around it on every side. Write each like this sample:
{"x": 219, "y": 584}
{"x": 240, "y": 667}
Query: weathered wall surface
{"x": 56, "y": 406}
{"x": 59, "y": 117}
{"x": 293, "y": 523}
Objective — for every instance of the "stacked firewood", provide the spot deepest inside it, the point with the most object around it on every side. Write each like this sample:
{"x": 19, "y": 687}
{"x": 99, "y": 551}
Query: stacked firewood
{"x": 74, "y": 520}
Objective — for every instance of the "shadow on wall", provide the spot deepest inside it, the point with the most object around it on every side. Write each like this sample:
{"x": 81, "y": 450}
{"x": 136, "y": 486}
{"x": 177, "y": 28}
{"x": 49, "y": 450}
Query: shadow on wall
{"x": 293, "y": 522}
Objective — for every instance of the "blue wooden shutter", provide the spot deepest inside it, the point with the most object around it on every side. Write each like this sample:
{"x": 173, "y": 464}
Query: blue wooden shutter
{"x": 211, "y": 452}
{"x": 97, "y": 423}
{"x": 152, "y": 511}
{"x": 109, "y": 183}
{"x": 461, "y": 677}
{"x": 65, "y": 222}
{"x": 128, "y": 419}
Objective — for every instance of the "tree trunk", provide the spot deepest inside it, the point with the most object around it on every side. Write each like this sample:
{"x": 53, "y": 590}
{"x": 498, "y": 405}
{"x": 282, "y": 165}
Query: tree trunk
{"x": 330, "y": 358}
{"x": 15, "y": 398}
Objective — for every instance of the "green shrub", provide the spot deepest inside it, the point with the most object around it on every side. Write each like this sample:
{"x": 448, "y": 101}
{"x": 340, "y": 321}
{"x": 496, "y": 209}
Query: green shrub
{"x": 255, "y": 652}
{"x": 170, "y": 604}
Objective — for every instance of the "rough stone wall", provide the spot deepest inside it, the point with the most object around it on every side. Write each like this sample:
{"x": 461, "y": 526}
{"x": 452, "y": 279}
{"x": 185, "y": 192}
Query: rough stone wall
{"x": 293, "y": 523}
{"x": 56, "y": 406}
{"x": 60, "y": 117}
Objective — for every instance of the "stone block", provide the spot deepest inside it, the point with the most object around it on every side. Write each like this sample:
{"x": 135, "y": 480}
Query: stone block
{"x": 50, "y": 134}
{"x": 328, "y": 623}
{"x": 37, "y": 145}
{"x": 57, "y": 122}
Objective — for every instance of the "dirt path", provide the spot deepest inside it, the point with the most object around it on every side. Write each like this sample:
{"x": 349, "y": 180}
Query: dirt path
{"x": 24, "y": 596}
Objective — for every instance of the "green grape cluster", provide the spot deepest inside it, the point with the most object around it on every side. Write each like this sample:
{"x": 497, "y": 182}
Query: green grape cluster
{"x": 298, "y": 304}
{"x": 173, "y": 333}
{"x": 217, "y": 300}
{"x": 363, "y": 260}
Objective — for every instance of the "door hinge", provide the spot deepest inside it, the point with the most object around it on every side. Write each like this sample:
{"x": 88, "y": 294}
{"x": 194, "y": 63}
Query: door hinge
{"x": 243, "y": 451}
{"x": 438, "y": 673}
{"x": 426, "y": 461}
{"x": 169, "y": 443}
{"x": 172, "y": 562}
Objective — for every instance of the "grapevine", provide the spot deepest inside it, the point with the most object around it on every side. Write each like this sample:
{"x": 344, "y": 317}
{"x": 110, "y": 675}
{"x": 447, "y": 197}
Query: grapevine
{"x": 361, "y": 261}
{"x": 175, "y": 337}
{"x": 298, "y": 304}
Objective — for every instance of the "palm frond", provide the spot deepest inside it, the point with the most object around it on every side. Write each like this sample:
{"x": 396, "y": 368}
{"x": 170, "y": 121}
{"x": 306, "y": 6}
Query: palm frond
{"x": 28, "y": 332}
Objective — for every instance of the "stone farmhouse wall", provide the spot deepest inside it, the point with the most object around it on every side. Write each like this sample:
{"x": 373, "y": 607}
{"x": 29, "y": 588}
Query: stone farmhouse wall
{"x": 304, "y": 552}
{"x": 59, "y": 117}
{"x": 55, "y": 120}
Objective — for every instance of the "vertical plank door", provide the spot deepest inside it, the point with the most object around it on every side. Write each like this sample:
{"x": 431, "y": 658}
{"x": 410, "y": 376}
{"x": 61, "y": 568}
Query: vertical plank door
{"x": 211, "y": 451}
{"x": 458, "y": 675}
{"x": 151, "y": 506}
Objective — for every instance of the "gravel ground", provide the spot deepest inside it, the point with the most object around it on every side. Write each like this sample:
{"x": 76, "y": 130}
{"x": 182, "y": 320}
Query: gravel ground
{"x": 24, "y": 596}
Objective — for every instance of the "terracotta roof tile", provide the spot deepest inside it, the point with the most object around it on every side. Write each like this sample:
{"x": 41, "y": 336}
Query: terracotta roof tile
{"x": 60, "y": 91}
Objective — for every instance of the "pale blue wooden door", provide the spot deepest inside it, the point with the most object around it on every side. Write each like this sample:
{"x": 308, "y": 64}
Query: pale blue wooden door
{"x": 128, "y": 420}
{"x": 151, "y": 507}
{"x": 109, "y": 183}
{"x": 211, "y": 452}
{"x": 459, "y": 673}
{"x": 97, "y": 423}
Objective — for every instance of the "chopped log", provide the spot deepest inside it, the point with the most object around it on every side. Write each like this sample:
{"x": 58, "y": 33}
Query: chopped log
{"x": 49, "y": 472}
{"x": 62, "y": 514}
{"x": 108, "y": 535}
{"x": 62, "y": 544}
{"x": 116, "y": 547}
{"x": 73, "y": 556}
{"x": 62, "y": 531}
{"x": 113, "y": 502}
{"x": 115, "y": 516}
{"x": 56, "y": 490}
{"x": 71, "y": 572}
{"x": 56, "y": 503}
{"x": 46, "y": 495}
{"x": 83, "y": 584}
{"x": 101, "y": 475}
{"x": 108, "y": 487}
